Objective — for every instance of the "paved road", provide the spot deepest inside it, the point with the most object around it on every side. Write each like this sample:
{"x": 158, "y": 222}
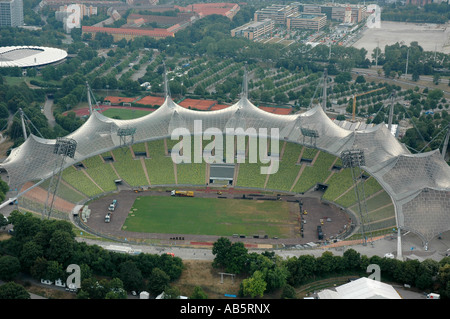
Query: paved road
{"x": 373, "y": 73}
{"x": 411, "y": 245}
{"x": 48, "y": 111}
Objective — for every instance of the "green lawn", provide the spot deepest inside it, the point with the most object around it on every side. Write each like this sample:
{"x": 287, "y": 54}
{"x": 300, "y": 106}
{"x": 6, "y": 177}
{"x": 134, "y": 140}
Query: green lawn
{"x": 209, "y": 216}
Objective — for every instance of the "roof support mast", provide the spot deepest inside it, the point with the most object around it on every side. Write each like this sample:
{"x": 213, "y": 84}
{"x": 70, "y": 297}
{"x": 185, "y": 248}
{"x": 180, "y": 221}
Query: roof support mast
{"x": 325, "y": 82}
{"x": 166, "y": 83}
{"x": 444, "y": 149}
{"x": 245, "y": 83}
{"x": 88, "y": 89}
{"x": 23, "y": 124}
{"x": 391, "y": 112}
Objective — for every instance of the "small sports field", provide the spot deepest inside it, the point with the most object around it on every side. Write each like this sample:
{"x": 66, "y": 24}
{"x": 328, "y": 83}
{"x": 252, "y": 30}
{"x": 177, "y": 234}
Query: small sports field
{"x": 210, "y": 216}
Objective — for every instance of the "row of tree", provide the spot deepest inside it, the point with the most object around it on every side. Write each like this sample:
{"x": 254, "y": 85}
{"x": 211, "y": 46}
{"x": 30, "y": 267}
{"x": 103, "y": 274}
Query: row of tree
{"x": 268, "y": 273}
{"x": 399, "y": 59}
{"x": 44, "y": 249}
{"x": 429, "y": 13}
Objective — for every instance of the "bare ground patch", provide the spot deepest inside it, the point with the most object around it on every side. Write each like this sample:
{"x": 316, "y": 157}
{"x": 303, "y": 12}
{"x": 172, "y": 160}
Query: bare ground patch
{"x": 201, "y": 273}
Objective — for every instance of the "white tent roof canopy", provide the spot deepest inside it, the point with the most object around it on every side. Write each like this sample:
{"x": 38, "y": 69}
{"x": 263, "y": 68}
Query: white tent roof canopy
{"x": 419, "y": 184}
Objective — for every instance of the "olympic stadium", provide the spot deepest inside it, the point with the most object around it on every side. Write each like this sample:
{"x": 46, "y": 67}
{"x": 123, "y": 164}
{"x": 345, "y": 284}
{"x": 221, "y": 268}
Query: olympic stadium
{"x": 30, "y": 56}
{"x": 410, "y": 191}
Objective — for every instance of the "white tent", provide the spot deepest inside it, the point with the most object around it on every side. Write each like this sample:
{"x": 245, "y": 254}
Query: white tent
{"x": 362, "y": 288}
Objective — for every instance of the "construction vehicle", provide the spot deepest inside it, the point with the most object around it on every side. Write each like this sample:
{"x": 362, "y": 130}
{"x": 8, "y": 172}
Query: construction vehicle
{"x": 113, "y": 205}
{"x": 182, "y": 193}
{"x": 319, "y": 232}
{"x": 360, "y": 94}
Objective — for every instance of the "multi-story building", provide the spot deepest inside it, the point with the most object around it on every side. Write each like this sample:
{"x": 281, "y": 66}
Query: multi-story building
{"x": 306, "y": 21}
{"x": 226, "y": 9}
{"x": 11, "y": 13}
{"x": 71, "y": 15}
{"x": 420, "y": 2}
{"x": 337, "y": 12}
{"x": 128, "y": 34}
{"x": 276, "y": 12}
{"x": 254, "y": 29}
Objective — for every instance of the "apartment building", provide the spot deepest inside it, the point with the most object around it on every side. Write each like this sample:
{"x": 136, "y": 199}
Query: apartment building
{"x": 254, "y": 29}
{"x": 128, "y": 34}
{"x": 306, "y": 21}
{"x": 11, "y": 13}
{"x": 276, "y": 12}
{"x": 336, "y": 11}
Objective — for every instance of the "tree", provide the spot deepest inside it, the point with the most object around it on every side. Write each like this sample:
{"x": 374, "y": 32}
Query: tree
{"x": 158, "y": 281}
{"x": 352, "y": 259}
{"x": 30, "y": 251}
{"x": 325, "y": 263}
{"x": 130, "y": 275}
{"x": 171, "y": 293}
{"x": 198, "y": 293}
{"x": 443, "y": 279}
{"x": 288, "y": 292}
{"x": 93, "y": 289}
{"x": 360, "y": 79}
{"x": 9, "y": 267}
{"x": 199, "y": 90}
{"x": 39, "y": 268}
{"x": 343, "y": 77}
{"x": 61, "y": 246}
{"x": 415, "y": 76}
{"x": 276, "y": 278}
{"x": 237, "y": 258}
{"x": 11, "y": 290}
{"x": 25, "y": 225}
{"x": 254, "y": 286}
{"x": 221, "y": 249}
{"x": 116, "y": 291}
{"x": 281, "y": 97}
{"x": 54, "y": 271}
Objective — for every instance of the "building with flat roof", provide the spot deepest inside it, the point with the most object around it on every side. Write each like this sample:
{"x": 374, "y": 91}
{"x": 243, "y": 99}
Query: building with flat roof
{"x": 11, "y": 13}
{"x": 171, "y": 23}
{"x": 276, "y": 12}
{"x": 226, "y": 9}
{"x": 254, "y": 30}
{"x": 306, "y": 21}
{"x": 128, "y": 34}
{"x": 337, "y": 11}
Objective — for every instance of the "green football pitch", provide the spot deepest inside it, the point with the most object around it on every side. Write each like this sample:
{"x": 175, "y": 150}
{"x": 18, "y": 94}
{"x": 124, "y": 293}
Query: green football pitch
{"x": 210, "y": 216}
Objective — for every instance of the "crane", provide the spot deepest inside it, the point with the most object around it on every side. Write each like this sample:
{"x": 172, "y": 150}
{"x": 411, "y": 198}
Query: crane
{"x": 354, "y": 100}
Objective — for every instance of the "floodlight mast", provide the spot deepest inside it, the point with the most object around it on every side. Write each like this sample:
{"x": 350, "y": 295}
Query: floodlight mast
{"x": 313, "y": 134}
{"x": 64, "y": 147}
{"x": 124, "y": 134}
{"x": 354, "y": 159}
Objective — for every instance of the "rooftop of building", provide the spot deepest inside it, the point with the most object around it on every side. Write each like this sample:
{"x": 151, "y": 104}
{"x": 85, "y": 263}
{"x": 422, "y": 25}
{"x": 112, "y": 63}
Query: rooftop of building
{"x": 138, "y": 32}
